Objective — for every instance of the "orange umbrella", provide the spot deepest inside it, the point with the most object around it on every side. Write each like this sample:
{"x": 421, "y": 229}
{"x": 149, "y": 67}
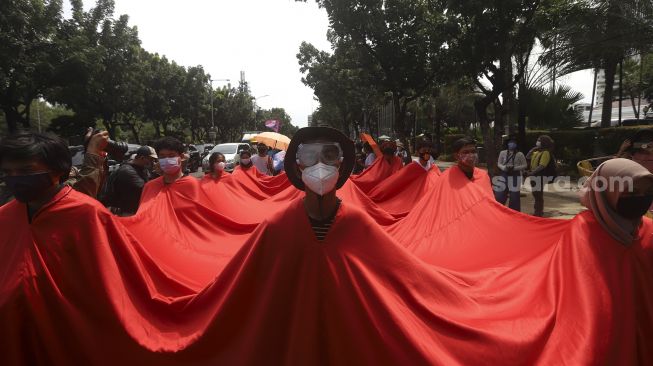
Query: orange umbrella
{"x": 273, "y": 140}
{"x": 370, "y": 140}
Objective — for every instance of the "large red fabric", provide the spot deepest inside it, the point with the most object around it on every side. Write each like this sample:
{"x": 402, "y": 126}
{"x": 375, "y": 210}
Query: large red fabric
{"x": 378, "y": 172}
{"x": 228, "y": 271}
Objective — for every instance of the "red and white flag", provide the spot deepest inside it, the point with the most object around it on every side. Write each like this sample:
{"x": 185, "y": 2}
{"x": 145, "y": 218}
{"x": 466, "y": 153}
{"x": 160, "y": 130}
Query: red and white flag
{"x": 273, "y": 124}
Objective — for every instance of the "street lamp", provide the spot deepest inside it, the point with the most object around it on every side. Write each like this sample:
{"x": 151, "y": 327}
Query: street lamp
{"x": 212, "y": 133}
{"x": 256, "y": 108}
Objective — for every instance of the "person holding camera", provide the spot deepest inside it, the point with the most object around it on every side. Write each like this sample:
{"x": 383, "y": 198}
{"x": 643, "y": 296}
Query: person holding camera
{"x": 91, "y": 175}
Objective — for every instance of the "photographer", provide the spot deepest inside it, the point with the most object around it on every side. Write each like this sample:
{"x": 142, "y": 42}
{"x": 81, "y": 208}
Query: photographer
{"x": 89, "y": 178}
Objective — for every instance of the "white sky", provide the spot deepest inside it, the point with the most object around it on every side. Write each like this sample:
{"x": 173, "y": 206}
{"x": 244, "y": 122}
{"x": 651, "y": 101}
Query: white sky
{"x": 260, "y": 37}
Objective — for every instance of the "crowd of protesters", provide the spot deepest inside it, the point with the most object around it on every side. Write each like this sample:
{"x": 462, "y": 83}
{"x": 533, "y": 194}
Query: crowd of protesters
{"x": 121, "y": 190}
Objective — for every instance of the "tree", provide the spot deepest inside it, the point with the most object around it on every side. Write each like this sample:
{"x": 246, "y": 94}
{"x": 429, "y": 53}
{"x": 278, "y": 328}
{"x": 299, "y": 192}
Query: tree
{"x": 101, "y": 75}
{"x": 547, "y": 108}
{"x": 403, "y": 38}
{"x": 344, "y": 87}
{"x": 29, "y": 54}
{"x": 233, "y": 111}
{"x": 487, "y": 34}
{"x": 638, "y": 81}
{"x": 600, "y": 34}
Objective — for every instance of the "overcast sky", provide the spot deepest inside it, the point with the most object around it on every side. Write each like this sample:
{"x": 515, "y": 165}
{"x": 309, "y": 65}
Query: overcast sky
{"x": 259, "y": 37}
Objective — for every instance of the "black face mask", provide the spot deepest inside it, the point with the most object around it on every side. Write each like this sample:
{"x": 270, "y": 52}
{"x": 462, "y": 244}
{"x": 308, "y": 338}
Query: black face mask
{"x": 26, "y": 188}
{"x": 634, "y": 207}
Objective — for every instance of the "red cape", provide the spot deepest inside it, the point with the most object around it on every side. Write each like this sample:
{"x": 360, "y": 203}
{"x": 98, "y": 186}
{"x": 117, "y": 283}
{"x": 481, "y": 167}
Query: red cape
{"x": 377, "y": 173}
{"x": 458, "y": 280}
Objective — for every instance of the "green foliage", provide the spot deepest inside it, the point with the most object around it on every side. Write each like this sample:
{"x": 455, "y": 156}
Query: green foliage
{"x": 29, "y": 56}
{"x": 551, "y": 109}
{"x": 392, "y": 48}
{"x": 599, "y": 34}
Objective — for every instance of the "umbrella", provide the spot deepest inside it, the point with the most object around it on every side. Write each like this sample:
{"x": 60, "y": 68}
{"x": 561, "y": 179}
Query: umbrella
{"x": 273, "y": 140}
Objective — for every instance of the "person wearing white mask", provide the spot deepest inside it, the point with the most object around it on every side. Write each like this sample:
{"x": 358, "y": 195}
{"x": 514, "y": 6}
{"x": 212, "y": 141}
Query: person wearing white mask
{"x": 507, "y": 184}
{"x": 217, "y": 163}
{"x": 171, "y": 157}
{"x": 245, "y": 160}
{"x": 319, "y": 161}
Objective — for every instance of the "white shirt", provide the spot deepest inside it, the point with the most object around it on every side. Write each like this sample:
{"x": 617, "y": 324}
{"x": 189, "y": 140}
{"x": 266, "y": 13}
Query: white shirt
{"x": 261, "y": 163}
{"x": 506, "y": 159}
{"x": 429, "y": 164}
{"x": 369, "y": 160}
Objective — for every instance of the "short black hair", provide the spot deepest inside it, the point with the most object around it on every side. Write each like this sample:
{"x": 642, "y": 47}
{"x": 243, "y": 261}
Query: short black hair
{"x": 213, "y": 158}
{"x": 260, "y": 144}
{"x": 460, "y": 143}
{"x": 424, "y": 144}
{"x": 169, "y": 143}
{"x": 50, "y": 149}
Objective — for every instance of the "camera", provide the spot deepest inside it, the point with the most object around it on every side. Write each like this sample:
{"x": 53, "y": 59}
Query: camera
{"x": 116, "y": 149}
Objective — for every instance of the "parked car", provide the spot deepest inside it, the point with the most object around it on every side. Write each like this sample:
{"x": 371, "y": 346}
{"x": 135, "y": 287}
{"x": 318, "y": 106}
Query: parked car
{"x": 230, "y": 152}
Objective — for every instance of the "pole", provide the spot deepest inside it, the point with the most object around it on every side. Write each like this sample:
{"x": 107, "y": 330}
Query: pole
{"x": 589, "y": 120}
{"x": 639, "y": 87}
{"x": 38, "y": 114}
{"x": 212, "y": 123}
{"x": 621, "y": 77}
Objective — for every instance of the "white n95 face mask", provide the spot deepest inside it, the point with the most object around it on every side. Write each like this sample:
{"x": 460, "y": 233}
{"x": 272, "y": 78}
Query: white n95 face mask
{"x": 320, "y": 178}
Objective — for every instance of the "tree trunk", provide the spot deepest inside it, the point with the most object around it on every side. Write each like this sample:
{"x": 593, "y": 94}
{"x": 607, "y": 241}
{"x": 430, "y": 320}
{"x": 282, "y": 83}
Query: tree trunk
{"x": 610, "y": 72}
{"x": 400, "y": 117}
{"x": 481, "y": 112}
{"x": 13, "y": 119}
{"x": 508, "y": 94}
{"x": 521, "y": 120}
{"x": 500, "y": 116}
{"x": 437, "y": 133}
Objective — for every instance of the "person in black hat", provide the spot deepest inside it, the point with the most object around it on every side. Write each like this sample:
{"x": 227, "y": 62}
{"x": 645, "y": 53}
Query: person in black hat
{"x": 319, "y": 161}
{"x": 125, "y": 186}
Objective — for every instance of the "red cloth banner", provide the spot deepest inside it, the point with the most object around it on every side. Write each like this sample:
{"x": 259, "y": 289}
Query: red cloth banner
{"x": 418, "y": 268}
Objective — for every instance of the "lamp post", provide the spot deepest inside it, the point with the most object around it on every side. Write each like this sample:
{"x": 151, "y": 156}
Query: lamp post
{"x": 212, "y": 133}
{"x": 256, "y": 108}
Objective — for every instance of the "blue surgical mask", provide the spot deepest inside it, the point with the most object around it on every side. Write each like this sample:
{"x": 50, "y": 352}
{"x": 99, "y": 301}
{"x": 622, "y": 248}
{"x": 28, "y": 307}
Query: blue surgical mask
{"x": 512, "y": 146}
{"x": 26, "y": 188}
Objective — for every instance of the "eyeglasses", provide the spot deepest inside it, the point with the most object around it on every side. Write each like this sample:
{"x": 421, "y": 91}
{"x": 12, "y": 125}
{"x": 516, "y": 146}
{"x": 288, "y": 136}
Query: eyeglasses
{"x": 310, "y": 154}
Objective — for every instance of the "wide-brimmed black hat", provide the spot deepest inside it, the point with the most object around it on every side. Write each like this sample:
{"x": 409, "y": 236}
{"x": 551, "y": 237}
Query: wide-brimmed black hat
{"x": 307, "y": 134}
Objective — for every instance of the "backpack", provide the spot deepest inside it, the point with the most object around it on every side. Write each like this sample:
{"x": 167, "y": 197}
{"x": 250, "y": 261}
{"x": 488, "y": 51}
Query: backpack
{"x": 107, "y": 193}
{"x": 551, "y": 170}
